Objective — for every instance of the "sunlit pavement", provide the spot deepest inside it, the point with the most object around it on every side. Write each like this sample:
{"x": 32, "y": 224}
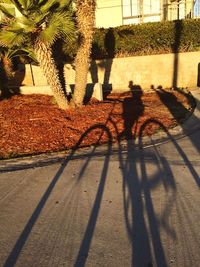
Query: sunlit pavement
{"x": 137, "y": 206}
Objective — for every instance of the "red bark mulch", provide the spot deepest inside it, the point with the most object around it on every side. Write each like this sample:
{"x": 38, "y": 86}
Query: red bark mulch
{"x": 33, "y": 124}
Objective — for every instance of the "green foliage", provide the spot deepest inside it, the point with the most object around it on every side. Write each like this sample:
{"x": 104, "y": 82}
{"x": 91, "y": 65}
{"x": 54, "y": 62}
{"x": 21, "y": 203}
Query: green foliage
{"x": 148, "y": 38}
{"x": 38, "y": 19}
{"x": 142, "y": 39}
{"x": 15, "y": 53}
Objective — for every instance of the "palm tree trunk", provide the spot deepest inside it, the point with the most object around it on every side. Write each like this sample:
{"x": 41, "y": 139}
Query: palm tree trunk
{"x": 8, "y": 67}
{"x": 85, "y": 20}
{"x": 44, "y": 56}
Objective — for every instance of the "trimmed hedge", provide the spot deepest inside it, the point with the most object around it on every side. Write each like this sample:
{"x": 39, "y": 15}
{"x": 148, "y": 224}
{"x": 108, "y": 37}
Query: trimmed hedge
{"x": 147, "y": 38}
{"x": 142, "y": 39}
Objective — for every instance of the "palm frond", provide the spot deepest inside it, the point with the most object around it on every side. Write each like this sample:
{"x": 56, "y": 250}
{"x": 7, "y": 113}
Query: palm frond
{"x": 66, "y": 26}
{"x": 17, "y": 52}
{"x": 12, "y": 38}
{"x": 30, "y": 53}
{"x": 27, "y": 24}
{"x": 49, "y": 34}
{"x": 49, "y": 5}
{"x": 20, "y": 7}
{"x": 41, "y": 22}
{"x": 23, "y": 3}
{"x": 16, "y": 25}
{"x": 6, "y": 11}
{"x": 59, "y": 25}
{"x": 64, "y": 4}
{"x": 11, "y": 53}
{"x": 41, "y": 2}
{"x": 6, "y": 1}
{"x": 66, "y": 7}
{"x": 27, "y": 4}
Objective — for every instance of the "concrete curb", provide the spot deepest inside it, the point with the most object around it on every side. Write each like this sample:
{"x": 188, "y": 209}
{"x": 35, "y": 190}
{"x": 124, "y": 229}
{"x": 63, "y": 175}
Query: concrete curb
{"x": 190, "y": 126}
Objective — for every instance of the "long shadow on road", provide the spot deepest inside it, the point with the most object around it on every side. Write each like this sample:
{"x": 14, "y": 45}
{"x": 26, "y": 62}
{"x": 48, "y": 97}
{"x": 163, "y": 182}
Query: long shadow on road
{"x": 138, "y": 183}
{"x": 141, "y": 219}
{"x": 90, "y": 228}
{"x": 172, "y": 105}
{"x": 14, "y": 254}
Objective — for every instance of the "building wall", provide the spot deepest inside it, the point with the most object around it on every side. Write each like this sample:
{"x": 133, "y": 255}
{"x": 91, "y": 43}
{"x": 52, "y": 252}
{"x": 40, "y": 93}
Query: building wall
{"x": 167, "y": 70}
{"x": 111, "y": 13}
{"x": 178, "y": 9}
{"x": 108, "y": 13}
{"x": 120, "y": 12}
{"x": 135, "y": 11}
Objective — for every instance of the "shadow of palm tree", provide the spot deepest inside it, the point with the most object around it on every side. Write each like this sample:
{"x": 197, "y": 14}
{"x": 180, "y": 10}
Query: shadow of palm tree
{"x": 106, "y": 64}
{"x": 176, "y": 108}
{"x": 171, "y": 102}
{"x": 109, "y": 44}
{"x": 175, "y": 49}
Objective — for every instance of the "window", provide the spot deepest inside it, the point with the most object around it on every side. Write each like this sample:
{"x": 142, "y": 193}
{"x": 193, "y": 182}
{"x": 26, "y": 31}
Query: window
{"x": 151, "y": 6}
{"x": 137, "y": 11}
{"x": 181, "y": 9}
{"x": 130, "y": 8}
{"x": 197, "y": 8}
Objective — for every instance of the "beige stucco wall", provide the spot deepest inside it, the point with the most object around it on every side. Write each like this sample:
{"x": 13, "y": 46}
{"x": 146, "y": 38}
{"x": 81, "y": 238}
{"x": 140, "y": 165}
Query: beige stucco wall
{"x": 156, "y": 70}
{"x": 108, "y": 13}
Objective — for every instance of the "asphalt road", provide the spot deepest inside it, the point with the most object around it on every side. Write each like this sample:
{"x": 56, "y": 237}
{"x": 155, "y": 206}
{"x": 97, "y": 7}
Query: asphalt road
{"x": 138, "y": 206}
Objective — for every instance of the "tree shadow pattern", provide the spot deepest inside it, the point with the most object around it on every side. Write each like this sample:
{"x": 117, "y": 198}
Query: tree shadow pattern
{"x": 142, "y": 223}
{"x": 137, "y": 186}
{"x": 109, "y": 44}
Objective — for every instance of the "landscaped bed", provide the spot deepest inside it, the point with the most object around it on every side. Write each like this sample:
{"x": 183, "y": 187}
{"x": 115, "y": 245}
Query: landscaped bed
{"x": 33, "y": 124}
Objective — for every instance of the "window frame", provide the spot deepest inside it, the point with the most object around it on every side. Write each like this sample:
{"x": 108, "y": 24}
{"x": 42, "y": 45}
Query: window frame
{"x": 141, "y": 15}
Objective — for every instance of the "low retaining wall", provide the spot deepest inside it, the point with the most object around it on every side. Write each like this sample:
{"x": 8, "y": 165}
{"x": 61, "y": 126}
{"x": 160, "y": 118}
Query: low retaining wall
{"x": 166, "y": 70}
{"x": 94, "y": 90}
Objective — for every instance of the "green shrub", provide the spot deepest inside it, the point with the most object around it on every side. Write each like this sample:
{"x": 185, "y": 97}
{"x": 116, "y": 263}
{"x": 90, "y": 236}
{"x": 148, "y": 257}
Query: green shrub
{"x": 142, "y": 39}
{"x": 146, "y": 39}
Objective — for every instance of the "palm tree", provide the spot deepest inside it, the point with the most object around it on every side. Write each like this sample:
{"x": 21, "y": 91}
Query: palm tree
{"x": 6, "y": 65}
{"x": 40, "y": 23}
{"x": 6, "y": 72}
{"x": 6, "y": 56}
{"x": 85, "y": 14}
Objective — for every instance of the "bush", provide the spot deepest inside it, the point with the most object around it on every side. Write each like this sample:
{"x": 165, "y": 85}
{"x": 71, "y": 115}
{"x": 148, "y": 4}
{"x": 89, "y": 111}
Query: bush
{"x": 146, "y": 39}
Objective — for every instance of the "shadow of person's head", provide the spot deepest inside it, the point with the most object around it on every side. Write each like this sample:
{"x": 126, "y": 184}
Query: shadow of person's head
{"x": 135, "y": 89}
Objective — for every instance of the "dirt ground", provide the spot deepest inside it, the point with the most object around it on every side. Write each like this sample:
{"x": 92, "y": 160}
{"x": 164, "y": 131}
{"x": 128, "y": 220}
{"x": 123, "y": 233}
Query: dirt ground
{"x": 33, "y": 124}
